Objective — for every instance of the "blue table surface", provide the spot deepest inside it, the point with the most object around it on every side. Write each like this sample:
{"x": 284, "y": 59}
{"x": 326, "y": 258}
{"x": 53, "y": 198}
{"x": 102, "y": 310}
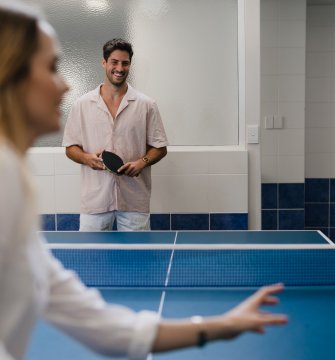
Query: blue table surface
{"x": 311, "y": 309}
{"x": 188, "y": 237}
{"x": 308, "y": 336}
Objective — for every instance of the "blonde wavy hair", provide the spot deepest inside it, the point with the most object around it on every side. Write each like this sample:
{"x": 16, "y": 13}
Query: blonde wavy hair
{"x": 18, "y": 43}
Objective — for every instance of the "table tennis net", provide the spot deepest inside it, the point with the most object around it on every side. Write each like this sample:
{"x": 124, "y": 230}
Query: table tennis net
{"x": 175, "y": 267}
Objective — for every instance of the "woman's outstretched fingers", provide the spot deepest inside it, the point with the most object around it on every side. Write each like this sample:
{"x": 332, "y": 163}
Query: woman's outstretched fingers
{"x": 248, "y": 316}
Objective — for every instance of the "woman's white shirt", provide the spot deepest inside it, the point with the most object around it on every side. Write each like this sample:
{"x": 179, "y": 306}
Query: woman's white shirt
{"x": 33, "y": 284}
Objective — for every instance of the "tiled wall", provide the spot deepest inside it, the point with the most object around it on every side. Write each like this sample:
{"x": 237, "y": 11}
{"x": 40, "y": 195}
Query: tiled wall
{"x": 283, "y": 34}
{"x": 283, "y": 47}
{"x": 320, "y": 205}
{"x": 320, "y": 120}
{"x": 320, "y": 92}
{"x": 316, "y": 172}
{"x": 217, "y": 221}
{"x": 283, "y": 206}
{"x": 192, "y": 189}
{"x": 300, "y": 206}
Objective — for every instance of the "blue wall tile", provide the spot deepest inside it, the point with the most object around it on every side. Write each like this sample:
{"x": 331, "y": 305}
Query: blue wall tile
{"x": 326, "y": 231}
{"x": 269, "y": 196}
{"x": 228, "y": 221}
{"x": 332, "y": 234}
{"x": 189, "y": 221}
{"x": 332, "y": 190}
{"x": 332, "y": 215}
{"x": 317, "y": 190}
{"x": 291, "y": 196}
{"x": 48, "y": 222}
{"x": 269, "y": 220}
{"x": 67, "y": 222}
{"x": 160, "y": 221}
{"x": 316, "y": 215}
{"x": 291, "y": 219}
{"x": 316, "y": 197}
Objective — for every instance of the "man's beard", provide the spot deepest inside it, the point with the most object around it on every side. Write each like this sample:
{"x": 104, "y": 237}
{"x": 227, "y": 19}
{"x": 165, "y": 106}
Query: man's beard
{"x": 118, "y": 83}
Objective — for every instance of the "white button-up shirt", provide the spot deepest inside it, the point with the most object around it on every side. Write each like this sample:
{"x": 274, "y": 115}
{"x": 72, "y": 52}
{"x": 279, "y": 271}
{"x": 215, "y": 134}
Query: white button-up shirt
{"x": 33, "y": 284}
{"x": 91, "y": 126}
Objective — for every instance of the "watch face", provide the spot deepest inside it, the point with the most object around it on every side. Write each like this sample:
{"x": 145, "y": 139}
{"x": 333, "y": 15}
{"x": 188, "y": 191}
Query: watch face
{"x": 145, "y": 159}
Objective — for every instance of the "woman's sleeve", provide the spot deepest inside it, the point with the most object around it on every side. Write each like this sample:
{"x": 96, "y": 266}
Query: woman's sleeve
{"x": 11, "y": 197}
{"x": 82, "y": 313}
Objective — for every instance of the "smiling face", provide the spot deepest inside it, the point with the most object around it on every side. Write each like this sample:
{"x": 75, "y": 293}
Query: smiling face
{"x": 44, "y": 88}
{"x": 117, "y": 67}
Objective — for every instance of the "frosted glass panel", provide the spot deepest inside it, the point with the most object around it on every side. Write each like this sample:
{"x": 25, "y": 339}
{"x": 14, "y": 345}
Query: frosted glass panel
{"x": 185, "y": 57}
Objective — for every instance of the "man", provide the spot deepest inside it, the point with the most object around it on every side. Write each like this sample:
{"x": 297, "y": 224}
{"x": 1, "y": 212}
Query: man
{"x": 115, "y": 117}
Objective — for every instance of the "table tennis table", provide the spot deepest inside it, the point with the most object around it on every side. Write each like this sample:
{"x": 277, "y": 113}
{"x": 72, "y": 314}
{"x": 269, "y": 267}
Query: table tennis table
{"x": 186, "y": 273}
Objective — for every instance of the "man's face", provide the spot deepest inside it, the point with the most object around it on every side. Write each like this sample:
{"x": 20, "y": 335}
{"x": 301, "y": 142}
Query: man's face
{"x": 117, "y": 67}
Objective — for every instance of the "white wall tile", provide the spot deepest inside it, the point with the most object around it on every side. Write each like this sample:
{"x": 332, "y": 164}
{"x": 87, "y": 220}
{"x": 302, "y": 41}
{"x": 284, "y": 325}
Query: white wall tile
{"x": 41, "y": 163}
{"x": 227, "y": 193}
{"x": 332, "y": 96}
{"x": 319, "y": 38}
{"x": 291, "y": 88}
{"x": 269, "y": 61}
{"x": 318, "y": 89}
{"x": 180, "y": 193}
{"x": 320, "y": 16}
{"x": 269, "y": 33}
{"x": 318, "y": 165}
{"x": 269, "y": 165}
{"x": 332, "y": 138}
{"x": 269, "y": 141}
{"x": 45, "y": 187}
{"x": 318, "y": 140}
{"x": 269, "y": 88}
{"x": 332, "y": 165}
{"x": 319, "y": 114}
{"x": 268, "y": 108}
{"x": 67, "y": 194}
{"x": 199, "y": 162}
{"x": 227, "y": 162}
{"x": 65, "y": 166}
{"x": 291, "y": 61}
{"x": 292, "y": 34}
{"x": 292, "y": 10}
{"x": 319, "y": 64}
{"x": 293, "y": 113}
{"x": 182, "y": 163}
{"x": 291, "y": 142}
{"x": 269, "y": 9}
{"x": 309, "y": 90}
{"x": 291, "y": 168}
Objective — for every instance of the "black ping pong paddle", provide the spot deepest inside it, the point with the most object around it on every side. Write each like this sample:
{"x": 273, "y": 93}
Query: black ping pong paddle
{"x": 112, "y": 161}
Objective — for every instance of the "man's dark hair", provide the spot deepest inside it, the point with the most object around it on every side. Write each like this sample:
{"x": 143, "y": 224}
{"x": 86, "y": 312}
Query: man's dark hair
{"x": 117, "y": 44}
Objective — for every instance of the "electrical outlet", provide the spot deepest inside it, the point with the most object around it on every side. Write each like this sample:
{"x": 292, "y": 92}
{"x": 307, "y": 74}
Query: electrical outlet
{"x": 253, "y": 134}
